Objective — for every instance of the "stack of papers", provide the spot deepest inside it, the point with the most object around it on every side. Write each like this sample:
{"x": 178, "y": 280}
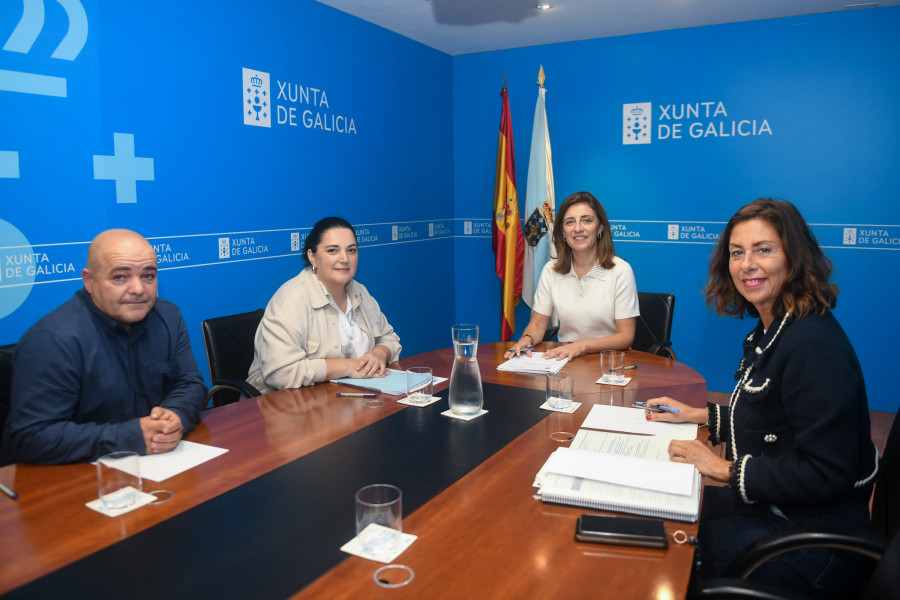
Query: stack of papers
{"x": 393, "y": 383}
{"x": 536, "y": 363}
{"x": 622, "y": 473}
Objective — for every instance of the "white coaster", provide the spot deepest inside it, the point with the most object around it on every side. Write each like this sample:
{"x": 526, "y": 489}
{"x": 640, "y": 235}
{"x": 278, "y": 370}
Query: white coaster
{"x": 430, "y": 400}
{"x": 143, "y": 499}
{"x": 386, "y": 556}
{"x": 452, "y": 415}
{"x": 622, "y": 383}
{"x": 573, "y": 406}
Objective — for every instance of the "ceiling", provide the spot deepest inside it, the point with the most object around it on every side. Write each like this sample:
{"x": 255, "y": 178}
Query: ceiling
{"x": 467, "y": 26}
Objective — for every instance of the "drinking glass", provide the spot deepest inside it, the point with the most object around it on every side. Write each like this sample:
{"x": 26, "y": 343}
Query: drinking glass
{"x": 612, "y": 365}
{"x": 379, "y": 504}
{"x": 419, "y": 384}
{"x": 560, "y": 389}
{"x": 119, "y": 480}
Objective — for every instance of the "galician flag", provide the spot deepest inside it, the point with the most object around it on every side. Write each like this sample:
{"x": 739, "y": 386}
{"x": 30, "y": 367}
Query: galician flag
{"x": 540, "y": 204}
{"x": 508, "y": 244}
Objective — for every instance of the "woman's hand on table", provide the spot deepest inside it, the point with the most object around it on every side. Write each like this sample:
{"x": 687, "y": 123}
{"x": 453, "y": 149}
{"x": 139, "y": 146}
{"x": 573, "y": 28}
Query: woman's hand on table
{"x": 519, "y": 347}
{"x": 371, "y": 364}
{"x": 569, "y": 351}
{"x": 701, "y": 456}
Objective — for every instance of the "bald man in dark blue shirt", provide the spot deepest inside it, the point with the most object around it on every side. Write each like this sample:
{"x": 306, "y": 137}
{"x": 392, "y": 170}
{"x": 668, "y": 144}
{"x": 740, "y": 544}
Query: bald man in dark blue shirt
{"x": 111, "y": 369}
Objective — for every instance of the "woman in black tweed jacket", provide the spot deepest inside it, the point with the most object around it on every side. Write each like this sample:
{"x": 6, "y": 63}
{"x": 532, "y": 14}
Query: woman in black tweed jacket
{"x": 799, "y": 448}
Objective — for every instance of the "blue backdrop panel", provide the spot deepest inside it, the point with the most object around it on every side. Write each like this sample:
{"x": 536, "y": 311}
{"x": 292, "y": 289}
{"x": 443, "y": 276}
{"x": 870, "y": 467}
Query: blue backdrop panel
{"x": 152, "y": 125}
{"x": 795, "y": 108}
{"x": 120, "y": 115}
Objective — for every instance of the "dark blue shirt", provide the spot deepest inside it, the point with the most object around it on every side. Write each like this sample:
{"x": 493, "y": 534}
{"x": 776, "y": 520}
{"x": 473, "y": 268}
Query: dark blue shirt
{"x": 81, "y": 383}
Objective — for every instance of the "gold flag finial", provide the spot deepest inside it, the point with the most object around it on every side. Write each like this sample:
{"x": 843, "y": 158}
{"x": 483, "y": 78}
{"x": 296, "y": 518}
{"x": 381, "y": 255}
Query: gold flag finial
{"x": 541, "y": 77}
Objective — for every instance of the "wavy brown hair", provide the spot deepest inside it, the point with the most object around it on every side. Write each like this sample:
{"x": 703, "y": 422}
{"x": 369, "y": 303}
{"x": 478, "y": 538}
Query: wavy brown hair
{"x": 605, "y": 250}
{"x": 806, "y": 287}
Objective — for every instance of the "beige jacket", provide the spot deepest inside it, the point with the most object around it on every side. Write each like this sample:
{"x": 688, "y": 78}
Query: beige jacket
{"x": 300, "y": 330}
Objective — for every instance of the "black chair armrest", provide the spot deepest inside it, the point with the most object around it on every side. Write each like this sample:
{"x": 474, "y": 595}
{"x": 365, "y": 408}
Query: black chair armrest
{"x": 769, "y": 546}
{"x": 726, "y": 589}
{"x": 550, "y": 333}
{"x": 663, "y": 349}
{"x": 243, "y": 388}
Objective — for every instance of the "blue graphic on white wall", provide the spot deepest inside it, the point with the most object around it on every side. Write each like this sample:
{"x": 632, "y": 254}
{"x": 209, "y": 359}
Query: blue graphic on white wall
{"x": 124, "y": 168}
{"x": 9, "y": 164}
{"x": 886, "y": 237}
{"x": 829, "y": 235}
{"x": 257, "y": 98}
{"x": 697, "y": 120}
{"x": 20, "y": 41}
{"x": 294, "y": 105}
{"x": 16, "y": 280}
{"x": 637, "y": 123}
{"x": 24, "y": 265}
{"x": 23, "y": 37}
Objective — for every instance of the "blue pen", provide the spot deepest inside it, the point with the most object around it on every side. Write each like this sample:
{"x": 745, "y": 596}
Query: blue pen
{"x": 659, "y": 408}
{"x": 8, "y": 492}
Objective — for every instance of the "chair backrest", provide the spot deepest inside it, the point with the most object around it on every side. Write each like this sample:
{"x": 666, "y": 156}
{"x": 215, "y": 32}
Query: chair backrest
{"x": 653, "y": 328}
{"x": 884, "y": 583}
{"x": 886, "y": 497}
{"x": 6, "y": 353}
{"x": 229, "y": 344}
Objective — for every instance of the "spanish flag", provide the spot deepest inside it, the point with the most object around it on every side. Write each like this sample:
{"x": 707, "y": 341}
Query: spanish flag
{"x": 508, "y": 241}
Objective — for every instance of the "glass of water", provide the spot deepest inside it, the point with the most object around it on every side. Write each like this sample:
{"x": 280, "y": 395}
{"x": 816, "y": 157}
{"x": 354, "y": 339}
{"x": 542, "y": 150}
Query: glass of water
{"x": 379, "y": 518}
{"x": 119, "y": 480}
{"x": 560, "y": 389}
{"x": 419, "y": 385}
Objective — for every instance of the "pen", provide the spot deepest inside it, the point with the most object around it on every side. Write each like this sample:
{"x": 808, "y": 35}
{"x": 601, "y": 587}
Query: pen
{"x": 8, "y": 492}
{"x": 659, "y": 408}
{"x": 624, "y": 368}
{"x": 525, "y": 349}
{"x": 355, "y": 395}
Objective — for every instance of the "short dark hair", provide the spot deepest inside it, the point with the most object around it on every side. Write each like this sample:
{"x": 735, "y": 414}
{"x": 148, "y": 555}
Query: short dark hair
{"x": 605, "y": 250}
{"x": 806, "y": 287}
{"x": 315, "y": 236}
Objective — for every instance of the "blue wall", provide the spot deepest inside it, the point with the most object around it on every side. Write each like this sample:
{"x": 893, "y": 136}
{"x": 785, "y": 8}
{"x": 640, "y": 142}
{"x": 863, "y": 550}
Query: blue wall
{"x": 826, "y": 86}
{"x": 228, "y": 203}
{"x": 171, "y": 76}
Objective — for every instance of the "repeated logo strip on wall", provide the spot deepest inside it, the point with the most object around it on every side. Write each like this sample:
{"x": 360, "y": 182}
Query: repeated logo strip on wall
{"x": 837, "y": 236}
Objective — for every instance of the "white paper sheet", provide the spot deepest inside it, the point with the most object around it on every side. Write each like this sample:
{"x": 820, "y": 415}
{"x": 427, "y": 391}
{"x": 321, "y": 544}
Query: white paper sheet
{"x": 536, "y": 363}
{"x": 647, "y": 474}
{"x": 186, "y": 455}
{"x": 634, "y": 420}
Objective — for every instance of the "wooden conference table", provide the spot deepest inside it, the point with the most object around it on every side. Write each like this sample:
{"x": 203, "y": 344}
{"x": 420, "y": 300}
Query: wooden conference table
{"x": 266, "y": 519}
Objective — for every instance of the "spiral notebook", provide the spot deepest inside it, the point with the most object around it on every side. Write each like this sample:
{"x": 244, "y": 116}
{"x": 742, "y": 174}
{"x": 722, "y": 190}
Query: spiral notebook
{"x": 587, "y": 493}
{"x": 625, "y": 481}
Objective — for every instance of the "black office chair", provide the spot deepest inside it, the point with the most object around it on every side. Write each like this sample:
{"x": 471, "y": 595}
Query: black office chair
{"x": 229, "y": 350}
{"x": 6, "y": 353}
{"x": 884, "y": 581}
{"x": 653, "y": 328}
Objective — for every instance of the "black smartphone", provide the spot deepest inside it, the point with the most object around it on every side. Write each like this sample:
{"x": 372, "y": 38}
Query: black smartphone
{"x": 622, "y": 531}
